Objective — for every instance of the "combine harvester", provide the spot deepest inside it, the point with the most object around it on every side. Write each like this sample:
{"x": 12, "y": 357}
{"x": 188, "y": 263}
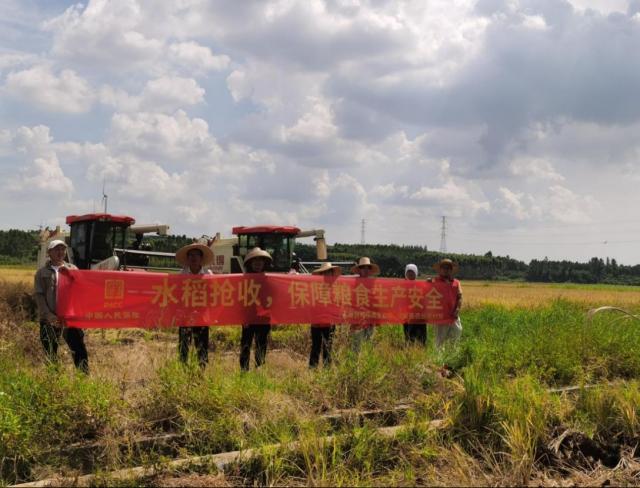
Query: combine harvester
{"x": 99, "y": 242}
{"x": 279, "y": 241}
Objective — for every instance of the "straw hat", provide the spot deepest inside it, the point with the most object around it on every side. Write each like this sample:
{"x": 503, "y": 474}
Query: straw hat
{"x": 336, "y": 271}
{"x": 454, "y": 266}
{"x": 207, "y": 254}
{"x": 365, "y": 261}
{"x": 256, "y": 252}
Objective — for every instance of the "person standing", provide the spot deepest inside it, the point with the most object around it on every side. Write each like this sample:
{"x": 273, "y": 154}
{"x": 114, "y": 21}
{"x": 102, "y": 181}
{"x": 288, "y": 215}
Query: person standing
{"x": 446, "y": 270}
{"x": 322, "y": 335}
{"x": 414, "y": 333}
{"x": 194, "y": 258}
{"x": 256, "y": 261}
{"x": 52, "y": 328}
{"x": 360, "y": 333}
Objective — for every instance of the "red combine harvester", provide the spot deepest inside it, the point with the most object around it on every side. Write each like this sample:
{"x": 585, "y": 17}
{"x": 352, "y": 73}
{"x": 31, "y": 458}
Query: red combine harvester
{"x": 98, "y": 241}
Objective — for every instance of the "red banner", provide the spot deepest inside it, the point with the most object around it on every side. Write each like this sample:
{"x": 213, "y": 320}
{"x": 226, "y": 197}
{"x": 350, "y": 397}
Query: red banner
{"x": 102, "y": 299}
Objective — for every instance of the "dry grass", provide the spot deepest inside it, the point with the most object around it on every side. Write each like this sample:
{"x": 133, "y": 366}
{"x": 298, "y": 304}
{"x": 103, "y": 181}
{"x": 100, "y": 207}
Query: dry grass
{"x": 518, "y": 294}
{"x": 17, "y": 274}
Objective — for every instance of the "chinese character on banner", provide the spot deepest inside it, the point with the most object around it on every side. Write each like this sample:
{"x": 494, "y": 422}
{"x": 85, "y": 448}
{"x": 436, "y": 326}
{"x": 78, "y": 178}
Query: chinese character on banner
{"x": 434, "y": 299}
{"x": 248, "y": 292}
{"x": 299, "y": 294}
{"x": 113, "y": 289}
{"x": 164, "y": 293}
{"x": 415, "y": 298}
{"x": 380, "y": 296}
{"x": 194, "y": 293}
{"x": 320, "y": 294}
{"x": 341, "y": 294}
{"x": 398, "y": 293}
{"x": 221, "y": 294}
{"x": 362, "y": 295}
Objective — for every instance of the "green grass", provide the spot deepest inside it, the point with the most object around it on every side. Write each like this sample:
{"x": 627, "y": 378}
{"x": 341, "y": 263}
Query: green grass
{"x": 498, "y": 412}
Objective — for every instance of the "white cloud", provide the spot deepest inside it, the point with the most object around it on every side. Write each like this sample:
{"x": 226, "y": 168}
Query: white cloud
{"x": 11, "y": 59}
{"x": 170, "y": 138}
{"x": 41, "y": 175}
{"x": 512, "y": 204}
{"x": 570, "y": 208}
{"x": 390, "y": 190}
{"x": 452, "y": 198}
{"x": 104, "y": 35}
{"x": 170, "y": 93}
{"x": 555, "y": 204}
{"x": 239, "y": 86}
{"x": 493, "y": 112}
{"x": 317, "y": 124}
{"x": 535, "y": 168}
{"x": 64, "y": 92}
{"x": 196, "y": 57}
{"x": 164, "y": 94}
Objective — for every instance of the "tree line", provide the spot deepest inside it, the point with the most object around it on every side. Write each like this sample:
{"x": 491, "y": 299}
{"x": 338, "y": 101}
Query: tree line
{"x": 21, "y": 247}
{"x": 393, "y": 258}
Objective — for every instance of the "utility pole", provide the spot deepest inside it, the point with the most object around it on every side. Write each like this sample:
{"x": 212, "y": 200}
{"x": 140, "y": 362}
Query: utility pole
{"x": 443, "y": 235}
{"x": 362, "y": 226}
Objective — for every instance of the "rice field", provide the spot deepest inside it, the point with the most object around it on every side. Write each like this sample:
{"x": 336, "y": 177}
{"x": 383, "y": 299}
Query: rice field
{"x": 533, "y": 394}
{"x": 510, "y": 294}
{"x": 17, "y": 274}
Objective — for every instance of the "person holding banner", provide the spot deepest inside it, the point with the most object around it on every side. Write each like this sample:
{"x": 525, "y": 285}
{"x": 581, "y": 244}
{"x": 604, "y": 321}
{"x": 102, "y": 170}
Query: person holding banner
{"x": 322, "y": 335}
{"x": 51, "y": 328}
{"x": 414, "y": 333}
{"x": 256, "y": 261}
{"x": 360, "y": 333}
{"x": 194, "y": 258}
{"x": 446, "y": 269}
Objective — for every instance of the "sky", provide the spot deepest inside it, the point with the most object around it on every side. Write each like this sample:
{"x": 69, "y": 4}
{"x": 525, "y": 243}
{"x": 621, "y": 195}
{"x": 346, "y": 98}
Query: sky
{"x": 517, "y": 120}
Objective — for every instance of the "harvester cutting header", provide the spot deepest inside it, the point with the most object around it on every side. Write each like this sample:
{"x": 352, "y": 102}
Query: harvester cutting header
{"x": 100, "y": 241}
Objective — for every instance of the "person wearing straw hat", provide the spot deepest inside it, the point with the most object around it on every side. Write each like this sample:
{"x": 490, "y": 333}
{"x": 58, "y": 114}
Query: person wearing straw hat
{"x": 414, "y": 333}
{"x": 364, "y": 268}
{"x": 322, "y": 335}
{"x": 256, "y": 261}
{"x": 51, "y": 328}
{"x": 446, "y": 270}
{"x": 194, "y": 258}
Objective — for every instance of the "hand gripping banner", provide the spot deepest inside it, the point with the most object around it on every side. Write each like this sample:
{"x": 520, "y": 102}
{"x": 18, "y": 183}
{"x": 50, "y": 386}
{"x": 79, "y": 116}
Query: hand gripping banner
{"x": 106, "y": 299}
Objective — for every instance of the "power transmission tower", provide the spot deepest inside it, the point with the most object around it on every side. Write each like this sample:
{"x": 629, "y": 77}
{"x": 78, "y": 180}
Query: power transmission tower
{"x": 443, "y": 235}
{"x": 362, "y": 226}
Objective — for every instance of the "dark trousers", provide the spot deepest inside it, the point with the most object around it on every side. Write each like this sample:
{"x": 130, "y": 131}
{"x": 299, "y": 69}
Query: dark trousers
{"x": 261, "y": 333}
{"x": 415, "y": 333}
{"x": 200, "y": 336}
{"x": 50, "y": 337}
{"x": 321, "y": 340}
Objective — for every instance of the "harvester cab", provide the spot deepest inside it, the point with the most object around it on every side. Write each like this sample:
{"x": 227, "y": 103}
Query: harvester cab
{"x": 95, "y": 237}
{"x": 99, "y": 241}
{"x": 279, "y": 241}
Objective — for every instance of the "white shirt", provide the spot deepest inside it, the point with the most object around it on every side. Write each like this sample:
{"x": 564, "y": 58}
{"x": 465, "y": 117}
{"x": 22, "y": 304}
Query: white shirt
{"x": 203, "y": 271}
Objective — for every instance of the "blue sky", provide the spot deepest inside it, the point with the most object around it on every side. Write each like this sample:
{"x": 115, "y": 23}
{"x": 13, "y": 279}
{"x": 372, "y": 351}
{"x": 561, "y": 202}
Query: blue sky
{"x": 517, "y": 119}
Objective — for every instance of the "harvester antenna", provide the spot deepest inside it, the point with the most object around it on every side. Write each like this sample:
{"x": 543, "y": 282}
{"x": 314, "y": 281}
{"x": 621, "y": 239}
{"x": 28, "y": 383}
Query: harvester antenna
{"x": 443, "y": 235}
{"x": 104, "y": 195}
{"x": 362, "y": 227}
